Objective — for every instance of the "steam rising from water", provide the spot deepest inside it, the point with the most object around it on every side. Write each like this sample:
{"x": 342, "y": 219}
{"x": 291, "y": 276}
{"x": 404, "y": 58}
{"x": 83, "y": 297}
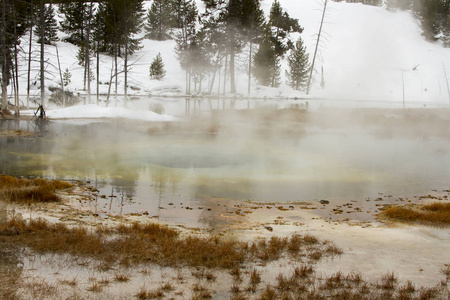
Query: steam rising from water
{"x": 262, "y": 155}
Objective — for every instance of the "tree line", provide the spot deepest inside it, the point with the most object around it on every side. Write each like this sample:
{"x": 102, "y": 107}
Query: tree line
{"x": 207, "y": 43}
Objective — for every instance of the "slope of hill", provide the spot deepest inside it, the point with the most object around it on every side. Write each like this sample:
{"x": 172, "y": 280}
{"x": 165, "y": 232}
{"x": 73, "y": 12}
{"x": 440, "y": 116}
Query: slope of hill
{"x": 367, "y": 53}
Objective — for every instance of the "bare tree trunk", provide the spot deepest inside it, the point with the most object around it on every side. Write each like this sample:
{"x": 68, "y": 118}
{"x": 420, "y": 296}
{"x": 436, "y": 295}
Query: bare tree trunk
{"x": 446, "y": 82}
{"x": 115, "y": 76}
{"x": 88, "y": 54}
{"x": 403, "y": 89}
{"x": 216, "y": 66}
{"x": 225, "y": 74}
{"x": 29, "y": 54}
{"x": 16, "y": 67}
{"x": 110, "y": 83}
{"x": 42, "y": 67}
{"x": 250, "y": 66}
{"x": 232, "y": 71}
{"x": 4, "y": 49}
{"x": 61, "y": 77}
{"x": 308, "y": 88}
{"x": 126, "y": 56}
{"x": 98, "y": 74}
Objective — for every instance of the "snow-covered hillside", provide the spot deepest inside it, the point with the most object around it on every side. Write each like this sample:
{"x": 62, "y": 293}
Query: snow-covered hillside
{"x": 367, "y": 53}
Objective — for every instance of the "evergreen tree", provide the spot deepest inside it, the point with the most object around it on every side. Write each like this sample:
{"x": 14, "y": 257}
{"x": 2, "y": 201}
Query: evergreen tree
{"x": 117, "y": 24}
{"x": 161, "y": 17}
{"x": 50, "y": 25}
{"x": 75, "y": 16}
{"x": 157, "y": 68}
{"x": 298, "y": 61}
{"x": 67, "y": 77}
{"x": 186, "y": 36}
{"x": 282, "y": 25}
{"x": 274, "y": 44}
{"x": 398, "y": 4}
{"x": 266, "y": 66}
{"x": 14, "y": 22}
{"x": 229, "y": 25}
{"x": 434, "y": 17}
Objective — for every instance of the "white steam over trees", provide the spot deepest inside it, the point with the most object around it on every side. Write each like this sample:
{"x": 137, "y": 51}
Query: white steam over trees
{"x": 187, "y": 18}
{"x": 275, "y": 42}
{"x": 434, "y": 15}
{"x": 212, "y": 46}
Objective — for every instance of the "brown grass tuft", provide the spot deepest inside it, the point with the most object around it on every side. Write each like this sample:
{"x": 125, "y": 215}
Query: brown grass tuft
{"x": 147, "y": 243}
{"x": 19, "y": 190}
{"x": 432, "y": 214}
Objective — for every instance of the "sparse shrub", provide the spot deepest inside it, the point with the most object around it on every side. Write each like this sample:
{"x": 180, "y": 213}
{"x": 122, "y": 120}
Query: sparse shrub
{"x": 255, "y": 280}
{"x": 144, "y": 294}
{"x": 304, "y": 271}
{"x": 309, "y": 239}
{"x": 268, "y": 294}
{"x": 406, "y": 291}
{"x": 121, "y": 277}
{"x": 388, "y": 281}
{"x": 446, "y": 271}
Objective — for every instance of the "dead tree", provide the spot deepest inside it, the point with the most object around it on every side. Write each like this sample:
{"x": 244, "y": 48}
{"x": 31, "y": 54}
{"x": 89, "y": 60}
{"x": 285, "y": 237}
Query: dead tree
{"x": 308, "y": 88}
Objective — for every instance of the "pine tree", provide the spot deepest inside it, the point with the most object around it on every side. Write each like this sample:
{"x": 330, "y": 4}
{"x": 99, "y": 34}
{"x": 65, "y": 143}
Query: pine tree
{"x": 186, "y": 36}
{"x": 266, "y": 63}
{"x": 14, "y": 22}
{"x": 67, "y": 77}
{"x": 51, "y": 26}
{"x": 434, "y": 17}
{"x": 161, "y": 17}
{"x": 157, "y": 68}
{"x": 75, "y": 19}
{"x": 274, "y": 44}
{"x": 118, "y": 21}
{"x": 298, "y": 62}
{"x": 282, "y": 25}
{"x": 398, "y": 4}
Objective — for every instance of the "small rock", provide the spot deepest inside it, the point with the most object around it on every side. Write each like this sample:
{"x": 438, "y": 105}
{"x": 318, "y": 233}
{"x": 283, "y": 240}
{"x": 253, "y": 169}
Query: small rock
{"x": 269, "y": 228}
{"x": 324, "y": 202}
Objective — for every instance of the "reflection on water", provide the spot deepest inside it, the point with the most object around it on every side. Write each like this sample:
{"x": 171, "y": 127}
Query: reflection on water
{"x": 263, "y": 155}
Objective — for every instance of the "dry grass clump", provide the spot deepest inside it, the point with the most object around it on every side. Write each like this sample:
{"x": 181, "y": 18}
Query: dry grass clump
{"x": 9, "y": 281}
{"x": 340, "y": 286}
{"x": 432, "y": 214}
{"x": 20, "y": 190}
{"x": 153, "y": 294}
{"x": 296, "y": 246}
{"x": 149, "y": 243}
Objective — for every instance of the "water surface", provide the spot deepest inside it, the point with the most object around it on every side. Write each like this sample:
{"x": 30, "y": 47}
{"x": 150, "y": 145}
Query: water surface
{"x": 261, "y": 155}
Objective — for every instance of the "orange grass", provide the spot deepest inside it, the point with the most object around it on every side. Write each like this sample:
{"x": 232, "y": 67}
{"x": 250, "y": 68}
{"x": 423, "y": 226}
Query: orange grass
{"x": 433, "y": 214}
{"x": 20, "y": 190}
{"x": 151, "y": 243}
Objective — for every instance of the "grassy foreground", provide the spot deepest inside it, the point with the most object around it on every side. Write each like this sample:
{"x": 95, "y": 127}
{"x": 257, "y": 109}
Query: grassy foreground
{"x": 154, "y": 243}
